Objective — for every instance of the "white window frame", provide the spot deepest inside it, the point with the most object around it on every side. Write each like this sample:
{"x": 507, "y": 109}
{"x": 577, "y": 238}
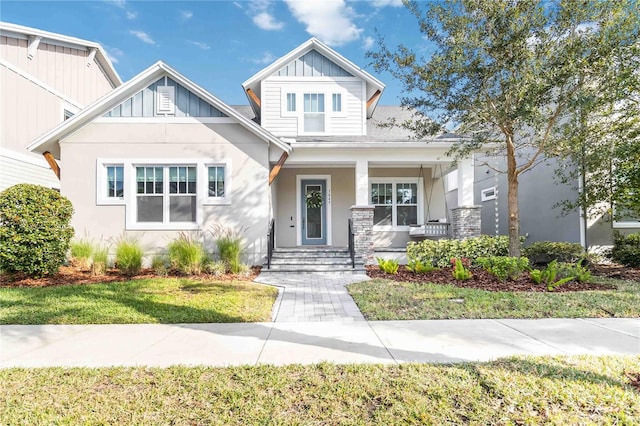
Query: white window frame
{"x": 219, "y": 201}
{"x": 394, "y": 212}
{"x": 284, "y": 93}
{"x": 325, "y": 113}
{"x": 102, "y": 198}
{"x": 625, "y": 224}
{"x": 168, "y": 93}
{"x": 488, "y": 194}
{"x": 343, "y": 97}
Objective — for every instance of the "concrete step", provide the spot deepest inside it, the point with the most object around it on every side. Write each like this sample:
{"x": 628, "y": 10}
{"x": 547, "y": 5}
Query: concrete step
{"x": 275, "y": 269}
{"x": 337, "y": 261}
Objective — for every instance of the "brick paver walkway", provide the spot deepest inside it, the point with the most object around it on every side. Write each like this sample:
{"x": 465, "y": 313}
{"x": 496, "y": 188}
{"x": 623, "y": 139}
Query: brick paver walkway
{"x": 313, "y": 296}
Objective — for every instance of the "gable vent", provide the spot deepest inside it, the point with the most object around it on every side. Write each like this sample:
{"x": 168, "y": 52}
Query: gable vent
{"x": 165, "y": 101}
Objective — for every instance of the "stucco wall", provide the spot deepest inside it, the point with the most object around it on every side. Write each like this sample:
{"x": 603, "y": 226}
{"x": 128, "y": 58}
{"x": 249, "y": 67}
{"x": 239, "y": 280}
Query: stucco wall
{"x": 249, "y": 190}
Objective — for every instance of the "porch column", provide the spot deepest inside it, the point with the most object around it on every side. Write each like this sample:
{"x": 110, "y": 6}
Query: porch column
{"x": 466, "y": 218}
{"x": 362, "y": 183}
{"x": 362, "y": 222}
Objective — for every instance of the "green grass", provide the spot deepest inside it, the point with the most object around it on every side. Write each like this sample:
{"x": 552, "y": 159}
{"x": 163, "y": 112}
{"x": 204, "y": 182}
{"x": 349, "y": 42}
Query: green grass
{"x": 157, "y": 300}
{"x": 540, "y": 390}
{"x": 388, "y": 300}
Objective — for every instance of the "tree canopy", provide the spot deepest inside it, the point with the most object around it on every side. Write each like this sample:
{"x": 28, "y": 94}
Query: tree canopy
{"x": 514, "y": 76}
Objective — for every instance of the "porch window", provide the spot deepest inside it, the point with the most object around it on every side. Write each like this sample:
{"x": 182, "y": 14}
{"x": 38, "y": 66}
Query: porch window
{"x": 395, "y": 203}
{"x": 314, "y": 113}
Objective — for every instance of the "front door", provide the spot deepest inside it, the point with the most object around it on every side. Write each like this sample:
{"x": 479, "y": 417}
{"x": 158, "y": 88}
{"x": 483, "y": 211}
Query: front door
{"x": 314, "y": 211}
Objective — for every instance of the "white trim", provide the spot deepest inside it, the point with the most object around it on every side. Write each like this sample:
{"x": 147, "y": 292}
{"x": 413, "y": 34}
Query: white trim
{"x": 25, "y": 158}
{"x": 299, "y": 179}
{"x": 394, "y": 216}
{"x": 217, "y": 201}
{"x": 64, "y": 106}
{"x": 428, "y": 145}
{"x": 40, "y": 83}
{"x": 626, "y": 224}
{"x": 32, "y": 46}
{"x": 284, "y": 92}
{"x": 165, "y": 99}
{"x": 492, "y": 191}
{"x": 101, "y": 179}
{"x": 307, "y": 79}
{"x": 166, "y": 120}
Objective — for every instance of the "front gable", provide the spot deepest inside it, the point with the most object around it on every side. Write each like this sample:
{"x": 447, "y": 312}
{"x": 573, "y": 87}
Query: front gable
{"x": 165, "y": 97}
{"x": 312, "y": 64}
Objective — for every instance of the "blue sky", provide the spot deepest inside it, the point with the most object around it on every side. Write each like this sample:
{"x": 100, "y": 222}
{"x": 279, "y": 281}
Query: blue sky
{"x": 219, "y": 44}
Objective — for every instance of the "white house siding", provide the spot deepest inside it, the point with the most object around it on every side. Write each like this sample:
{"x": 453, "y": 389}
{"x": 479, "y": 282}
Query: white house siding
{"x": 25, "y": 170}
{"x": 249, "y": 189}
{"x": 349, "y": 122}
{"x": 63, "y": 68}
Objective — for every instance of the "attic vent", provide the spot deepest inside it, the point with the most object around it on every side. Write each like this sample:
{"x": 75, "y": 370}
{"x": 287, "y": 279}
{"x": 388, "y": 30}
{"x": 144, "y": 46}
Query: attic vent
{"x": 165, "y": 101}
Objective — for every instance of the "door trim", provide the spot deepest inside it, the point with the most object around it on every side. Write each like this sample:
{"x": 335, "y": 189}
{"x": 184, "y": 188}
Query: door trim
{"x": 299, "y": 179}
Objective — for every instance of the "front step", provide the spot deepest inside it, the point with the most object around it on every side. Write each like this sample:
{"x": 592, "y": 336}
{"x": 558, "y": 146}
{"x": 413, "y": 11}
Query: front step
{"x": 310, "y": 260}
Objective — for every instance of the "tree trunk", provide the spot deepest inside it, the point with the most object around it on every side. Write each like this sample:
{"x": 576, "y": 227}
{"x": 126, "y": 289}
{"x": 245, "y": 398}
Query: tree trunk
{"x": 512, "y": 200}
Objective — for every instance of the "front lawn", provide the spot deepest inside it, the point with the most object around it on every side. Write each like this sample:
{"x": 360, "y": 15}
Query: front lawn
{"x": 151, "y": 300}
{"x": 381, "y": 299}
{"x": 528, "y": 390}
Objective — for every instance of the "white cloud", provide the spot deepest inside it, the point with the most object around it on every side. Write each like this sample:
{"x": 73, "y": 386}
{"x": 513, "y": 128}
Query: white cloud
{"x": 260, "y": 12}
{"x": 267, "y": 58}
{"x": 185, "y": 15}
{"x": 238, "y": 5}
{"x": 202, "y": 45}
{"x": 113, "y": 53}
{"x": 383, "y": 3}
{"x": 367, "y": 43}
{"x": 329, "y": 20}
{"x": 119, "y": 3}
{"x": 142, "y": 36}
{"x": 132, "y": 15}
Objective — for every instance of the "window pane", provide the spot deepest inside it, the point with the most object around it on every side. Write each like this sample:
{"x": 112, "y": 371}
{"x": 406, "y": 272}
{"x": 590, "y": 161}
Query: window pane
{"x": 216, "y": 181}
{"x": 182, "y": 208}
{"x": 337, "y": 102}
{"x": 407, "y": 215}
{"x": 406, "y": 193}
{"x": 382, "y": 215}
{"x": 291, "y": 102}
{"x": 314, "y": 122}
{"x": 150, "y": 208}
{"x": 119, "y": 181}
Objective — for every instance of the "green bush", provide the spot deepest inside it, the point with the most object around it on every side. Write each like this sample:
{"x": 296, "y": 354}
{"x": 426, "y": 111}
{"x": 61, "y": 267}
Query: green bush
{"x": 34, "y": 229}
{"x": 129, "y": 257}
{"x": 626, "y": 249}
{"x": 418, "y": 267}
{"x": 160, "y": 265}
{"x": 504, "y": 267}
{"x": 460, "y": 271}
{"x": 100, "y": 260}
{"x": 186, "y": 255}
{"x": 548, "y": 275}
{"x": 81, "y": 254}
{"x": 216, "y": 268}
{"x": 543, "y": 252}
{"x": 230, "y": 247}
{"x": 440, "y": 252}
{"x": 574, "y": 270}
{"x": 388, "y": 266}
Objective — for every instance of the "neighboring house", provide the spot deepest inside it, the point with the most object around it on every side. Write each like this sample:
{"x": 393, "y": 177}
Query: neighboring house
{"x": 160, "y": 155}
{"x": 45, "y": 78}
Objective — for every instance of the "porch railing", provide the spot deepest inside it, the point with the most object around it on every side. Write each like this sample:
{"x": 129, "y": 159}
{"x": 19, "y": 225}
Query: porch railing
{"x": 352, "y": 248}
{"x": 271, "y": 241}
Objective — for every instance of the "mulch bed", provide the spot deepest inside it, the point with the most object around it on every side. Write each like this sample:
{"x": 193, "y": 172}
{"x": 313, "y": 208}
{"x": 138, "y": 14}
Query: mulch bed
{"x": 618, "y": 272}
{"x": 482, "y": 280}
{"x": 70, "y": 275}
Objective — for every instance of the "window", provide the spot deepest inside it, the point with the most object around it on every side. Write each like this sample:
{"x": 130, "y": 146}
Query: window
{"x": 216, "y": 181}
{"x": 291, "y": 102}
{"x": 115, "y": 182}
{"x": 313, "y": 113}
{"x": 337, "y": 102}
{"x": 395, "y": 203}
{"x": 159, "y": 202}
{"x": 489, "y": 194}
{"x": 66, "y": 114}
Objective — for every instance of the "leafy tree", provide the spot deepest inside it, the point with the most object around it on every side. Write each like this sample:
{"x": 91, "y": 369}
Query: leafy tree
{"x": 511, "y": 75}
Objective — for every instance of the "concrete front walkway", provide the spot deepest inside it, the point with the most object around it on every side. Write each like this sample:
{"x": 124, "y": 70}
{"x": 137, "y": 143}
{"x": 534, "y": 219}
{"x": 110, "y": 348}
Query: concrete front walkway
{"x": 313, "y": 297}
{"x": 162, "y": 345}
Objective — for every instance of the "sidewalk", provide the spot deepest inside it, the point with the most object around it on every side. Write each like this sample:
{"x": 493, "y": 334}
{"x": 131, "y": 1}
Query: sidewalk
{"x": 279, "y": 343}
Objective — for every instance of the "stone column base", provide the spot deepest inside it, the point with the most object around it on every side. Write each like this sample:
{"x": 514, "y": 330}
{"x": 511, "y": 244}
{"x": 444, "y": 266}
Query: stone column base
{"x": 362, "y": 222}
{"x": 465, "y": 222}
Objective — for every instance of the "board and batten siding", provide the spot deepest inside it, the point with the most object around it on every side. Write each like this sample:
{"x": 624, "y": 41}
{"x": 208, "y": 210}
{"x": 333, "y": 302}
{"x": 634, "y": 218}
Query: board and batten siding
{"x": 349, "y": 122}
{"x": 312, "y": 64}
{"x": 63, "y": 68}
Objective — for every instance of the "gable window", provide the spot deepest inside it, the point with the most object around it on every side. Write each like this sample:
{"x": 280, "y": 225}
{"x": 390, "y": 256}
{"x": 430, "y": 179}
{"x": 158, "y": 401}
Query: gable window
{"x": 291, "y": 102}
{"x": 395, "y": 201}
{"x": 336, "y": 102}
{"x": 165, "y": 100}
{"x": 314, "y": 113}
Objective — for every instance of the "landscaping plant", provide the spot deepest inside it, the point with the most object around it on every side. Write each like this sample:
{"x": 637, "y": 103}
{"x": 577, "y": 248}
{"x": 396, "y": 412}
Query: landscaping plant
{"x": 128, "y": 256}
{"x": 230, "y": 247}
{"x": 160, "y": 265}
{"x": 626, "y": 249}
{"x": 418, "y": 267}
{"x": 100, "y": 260}
{"x": 548, "y": 275}
{"x": 216, "y": 268}
{"x": 81, "y": 254}
{"x": 35, "y": 233}
{"x": 543, "y": 252}
{"x": 388, "y": 266}
{"x": 574, "y": 270}
{"x": 461, "y": 271}
{"x": 504, "y": 267}
{"x": 186, "y": 255}
{"x": 440, "y": 252}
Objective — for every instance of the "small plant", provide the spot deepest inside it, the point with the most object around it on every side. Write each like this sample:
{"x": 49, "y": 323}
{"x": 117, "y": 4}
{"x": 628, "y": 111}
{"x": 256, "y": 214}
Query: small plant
{"x": 626, "y": 249}
{"x": 418, "y": 267}
{"x": 216, "y": 268}
{"x": 548, "y": 276}
{"x": 100, "y": 260}
{"x": 576, "y": 271}
{"x": 543, "y": 252}
{"x": 128, "y": 257}
{"x": 461, "y": 271}
{"x": 160, "y": 264}
{"x": 230, "y": 247}
{"x": 186, "y": 255}
{"x": 504, "y": 267}
{"x": 81, "y": 254}
{"x": 388, "y": 266}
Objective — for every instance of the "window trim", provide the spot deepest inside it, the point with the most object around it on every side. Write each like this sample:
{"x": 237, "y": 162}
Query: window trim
{"x": 394, "y": 215}
{"x": 102, "y": 199}
{"x": 343, "y": 111}
{"x": 485, "y": 197}
{"x": 625, "y": 224}
{"x": 303, "y": 113}
{"x": 284, "y": 93}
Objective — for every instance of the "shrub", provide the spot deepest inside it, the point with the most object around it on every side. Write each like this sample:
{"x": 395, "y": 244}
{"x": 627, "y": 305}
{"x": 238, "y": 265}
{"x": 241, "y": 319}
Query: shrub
{"x": 418, "y": 267}
{"x": 460, "y": 271}
{"x": 100, "y": 260}
{"x": 626, "y": 249}
{"x": 543, "y": 252}
{"x": 160, "y": 265}
{"x": 230, "y": 248}
{"x": 388, "y": 266}
{"x": 504, "y": 267}
{"x": 186, "y": 255}
{"x": 548, "y": 276}
{"x": 216, "y": 268}
{"x": 81, "y": 254}
{"x": 440, "y": 252}
{"x": 34, "y": 229}
{"x": 128, "y": 256}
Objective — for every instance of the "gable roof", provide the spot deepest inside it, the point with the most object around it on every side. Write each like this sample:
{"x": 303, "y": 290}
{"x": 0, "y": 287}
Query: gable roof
{"x": 19, "y": 31}
{"x": 50, "y": 140}
{"x": 253, "y": 82}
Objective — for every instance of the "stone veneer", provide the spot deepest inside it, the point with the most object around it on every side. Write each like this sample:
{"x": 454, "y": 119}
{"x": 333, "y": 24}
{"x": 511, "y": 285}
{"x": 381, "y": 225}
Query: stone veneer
{"x": 362, "y": 220}
{"x": 465, "y": 222}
